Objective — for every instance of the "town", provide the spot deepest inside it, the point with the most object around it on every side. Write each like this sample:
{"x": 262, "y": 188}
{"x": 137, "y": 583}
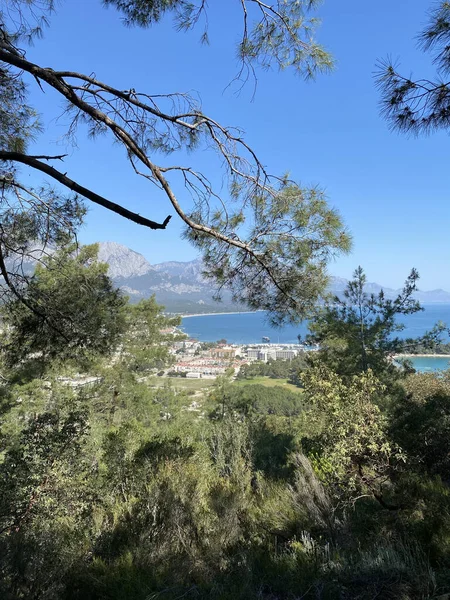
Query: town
{"x": 207, "y": 360}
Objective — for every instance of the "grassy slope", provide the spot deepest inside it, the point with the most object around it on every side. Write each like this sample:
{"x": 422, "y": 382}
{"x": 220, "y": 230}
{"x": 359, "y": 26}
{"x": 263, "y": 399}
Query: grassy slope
{"x": 266, "y": 381}
{"x": 181, "y": 383}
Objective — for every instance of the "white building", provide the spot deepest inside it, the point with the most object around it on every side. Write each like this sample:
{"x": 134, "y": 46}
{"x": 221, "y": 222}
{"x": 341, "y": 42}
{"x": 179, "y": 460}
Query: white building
{"x": 286, "y": 354}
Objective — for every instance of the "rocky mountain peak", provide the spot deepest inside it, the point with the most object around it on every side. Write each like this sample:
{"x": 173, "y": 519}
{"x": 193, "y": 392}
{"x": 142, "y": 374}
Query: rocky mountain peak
{"x": 123, "y": 262}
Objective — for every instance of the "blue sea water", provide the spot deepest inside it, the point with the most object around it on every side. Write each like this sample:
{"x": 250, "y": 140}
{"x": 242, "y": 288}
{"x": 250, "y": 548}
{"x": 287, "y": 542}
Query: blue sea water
{"x": 430, "y": 363}
{"x": 250, "y": 328}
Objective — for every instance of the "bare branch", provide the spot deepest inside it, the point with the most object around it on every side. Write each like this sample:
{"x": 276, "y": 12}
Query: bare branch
{"x": 62, "y": 178}
{"x": 271, "y": 250}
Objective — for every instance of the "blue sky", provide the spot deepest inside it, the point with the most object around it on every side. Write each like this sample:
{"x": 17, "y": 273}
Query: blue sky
{"x": 392, "y": 191}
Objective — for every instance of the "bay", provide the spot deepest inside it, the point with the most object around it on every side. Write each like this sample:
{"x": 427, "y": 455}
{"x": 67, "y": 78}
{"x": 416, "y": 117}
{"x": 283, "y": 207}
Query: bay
{"x": 250, "y": 328}
{"x": 430, "y": 363}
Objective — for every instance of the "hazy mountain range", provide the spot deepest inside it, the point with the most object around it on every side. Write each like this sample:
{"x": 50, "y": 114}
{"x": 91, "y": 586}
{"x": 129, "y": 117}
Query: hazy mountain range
{"x": 180, "y": 287}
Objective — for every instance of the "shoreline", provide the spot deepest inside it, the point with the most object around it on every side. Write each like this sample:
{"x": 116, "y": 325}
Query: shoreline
{"x": 239, "y": 312}
{"x": 421, "y": 356}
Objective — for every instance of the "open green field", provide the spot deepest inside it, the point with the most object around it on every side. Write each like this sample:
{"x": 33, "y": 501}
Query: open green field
{"x": 268, "y": 382}
{"x": 181, "y": 383}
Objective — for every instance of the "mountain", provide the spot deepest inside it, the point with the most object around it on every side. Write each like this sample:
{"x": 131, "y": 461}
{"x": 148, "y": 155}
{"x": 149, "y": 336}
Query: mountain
{"x": 180, "y": 286}
{"x": 26, "y": 263}
{"x": 338, "y": 285}
{"x": 122, "y": 261}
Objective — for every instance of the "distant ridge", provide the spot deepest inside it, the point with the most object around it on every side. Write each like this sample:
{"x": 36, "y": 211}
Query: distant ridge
{"x": 181, "y": 287}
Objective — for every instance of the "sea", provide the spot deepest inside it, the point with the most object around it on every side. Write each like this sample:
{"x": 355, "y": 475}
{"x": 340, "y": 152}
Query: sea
{"x": 250, "y": 328}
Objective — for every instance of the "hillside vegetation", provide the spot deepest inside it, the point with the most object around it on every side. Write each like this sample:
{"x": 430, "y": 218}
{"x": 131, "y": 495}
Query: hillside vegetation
{"x": 120, "y": 484}
{"x": 323, "y": 478}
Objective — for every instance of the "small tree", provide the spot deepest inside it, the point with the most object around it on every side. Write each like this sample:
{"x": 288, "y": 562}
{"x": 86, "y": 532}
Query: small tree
{"x": 358, "y": 332}
{"x": 351, "y": 445}
{"x": 69, "y": 310}
{"x": 148, "y": 335}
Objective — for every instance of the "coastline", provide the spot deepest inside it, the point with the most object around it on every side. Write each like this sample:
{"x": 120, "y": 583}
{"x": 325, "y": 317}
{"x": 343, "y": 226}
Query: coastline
{"x": 422, "y": 356}
{"x": 239, "y": 312}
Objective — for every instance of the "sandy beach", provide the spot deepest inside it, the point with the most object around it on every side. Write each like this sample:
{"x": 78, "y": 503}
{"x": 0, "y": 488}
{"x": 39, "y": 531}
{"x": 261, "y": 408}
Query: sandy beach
{"x": 242, "y": 312}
